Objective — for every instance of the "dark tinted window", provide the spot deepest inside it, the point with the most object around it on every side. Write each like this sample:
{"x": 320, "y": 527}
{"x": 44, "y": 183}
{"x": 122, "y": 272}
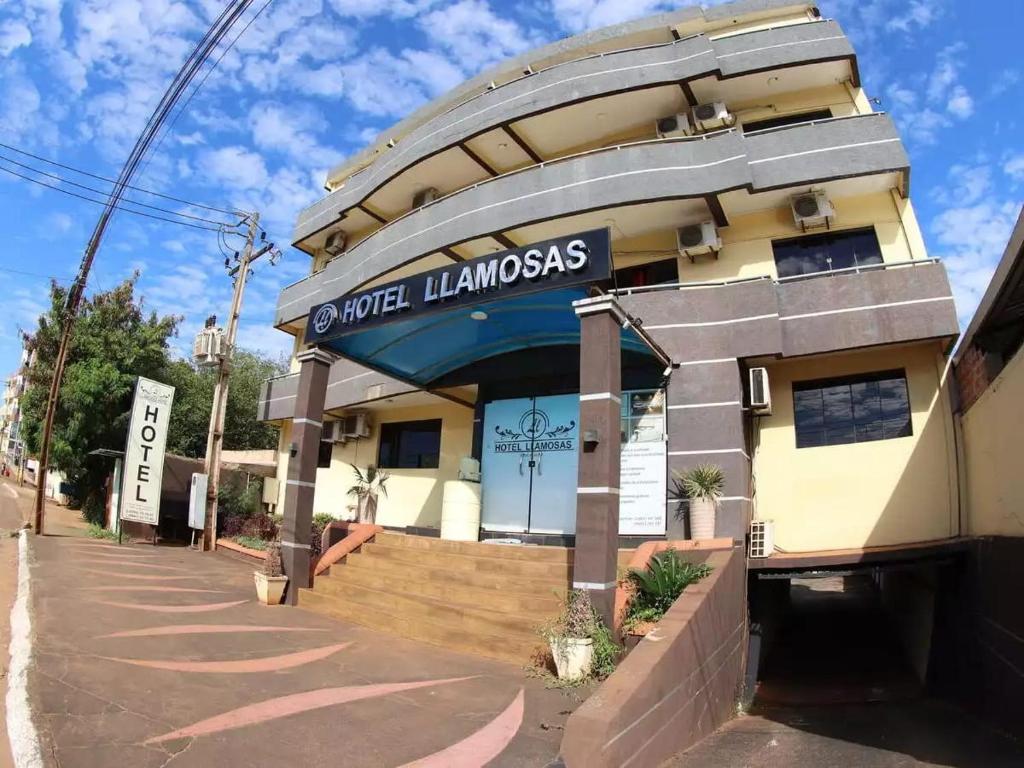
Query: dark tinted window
{"x": 826, "y": 252}
{"x": 323, "y": 458}
{"x": 779, "y": 122}
{"x": 654, "y": 273}
{"x": 855, "y": 409}
{"x": 410, "y": 444}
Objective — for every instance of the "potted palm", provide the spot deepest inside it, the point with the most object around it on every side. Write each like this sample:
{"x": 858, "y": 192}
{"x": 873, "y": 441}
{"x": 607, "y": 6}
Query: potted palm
{"x": 702, "y": 485}
{"x": 270, "y": 580}
{"x": 368, "y": 486}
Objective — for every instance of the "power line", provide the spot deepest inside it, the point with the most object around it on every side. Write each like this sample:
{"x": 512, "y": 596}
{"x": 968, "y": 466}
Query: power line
{"x": 103, "y": 192}
{"x": 104, "y": 202}
{"x": 112, "y": 181}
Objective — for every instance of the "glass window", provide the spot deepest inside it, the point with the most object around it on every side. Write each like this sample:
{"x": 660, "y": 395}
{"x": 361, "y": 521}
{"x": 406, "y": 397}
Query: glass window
{"x": 826, "y": 252}
{"x": 855, "y": 409}
{"x": 784, "y": 120}
{"x": 323, "y": 457}
{"x": 410, "y": 444}
{"x": 653, "y": 273}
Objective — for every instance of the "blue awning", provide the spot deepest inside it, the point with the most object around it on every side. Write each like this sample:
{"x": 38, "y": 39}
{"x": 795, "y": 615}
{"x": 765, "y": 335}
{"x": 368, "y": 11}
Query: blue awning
{"x": 420, "y": 350}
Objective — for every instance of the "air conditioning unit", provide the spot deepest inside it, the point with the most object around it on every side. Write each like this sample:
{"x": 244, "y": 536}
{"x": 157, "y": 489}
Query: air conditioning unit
{"x": 674, "y": 125}
{"x": 760, "y": 392}
{"x": 424, "y": 196}
{"x": 699, "y": 240}
{"x": 712, "y": 116}
{"x": 332, "y": 432}
{"x": 812, "y": 211}
{"x": 335, "y": 243}
{"x": 762, "y": 538}
{"x": 355, "y": 426}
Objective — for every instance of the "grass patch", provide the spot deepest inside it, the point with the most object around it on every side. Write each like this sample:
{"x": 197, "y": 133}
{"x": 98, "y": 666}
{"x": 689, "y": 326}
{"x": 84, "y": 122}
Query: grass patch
{"x": 99, "y": 532}
{"x": 251, "y": 542}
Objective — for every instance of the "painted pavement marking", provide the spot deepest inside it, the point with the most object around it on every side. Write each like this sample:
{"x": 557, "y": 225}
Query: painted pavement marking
{"x": 479, "y": 748}
{"x": 135, "y": 565}
{"x": 204, "y": 629}
{"x": 137, "y": 576}
{"x": 272, "y": 709}
{"x": 151, "y": 588}
{"x": 239, "y": 666}
{"x": 21, "y": 731}
{"x": 204, "y": 608}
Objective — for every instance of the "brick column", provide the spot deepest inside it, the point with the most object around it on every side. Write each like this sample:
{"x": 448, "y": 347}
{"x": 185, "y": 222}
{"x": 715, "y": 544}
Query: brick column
{"x": 597, "y": 499}
{"x": 307, "y": 425}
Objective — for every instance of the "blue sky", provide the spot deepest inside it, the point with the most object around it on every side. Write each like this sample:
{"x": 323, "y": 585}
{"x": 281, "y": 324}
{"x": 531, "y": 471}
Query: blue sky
{"x": 314, "y": 80}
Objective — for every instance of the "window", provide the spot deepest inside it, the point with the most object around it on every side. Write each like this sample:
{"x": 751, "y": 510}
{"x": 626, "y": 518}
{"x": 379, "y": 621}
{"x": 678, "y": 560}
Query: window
{"x": 855, "y": 409}
{"x": 410, "y": 444}
{"x": 653, "y": 273}
{"x": 779, "y": 122}
{"x": 323, "y": 457}
{"x": 826, "y": 252}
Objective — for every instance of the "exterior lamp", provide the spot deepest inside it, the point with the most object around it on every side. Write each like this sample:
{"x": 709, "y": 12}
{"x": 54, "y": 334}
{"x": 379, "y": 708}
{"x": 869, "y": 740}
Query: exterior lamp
{"x": 478, "y": 314}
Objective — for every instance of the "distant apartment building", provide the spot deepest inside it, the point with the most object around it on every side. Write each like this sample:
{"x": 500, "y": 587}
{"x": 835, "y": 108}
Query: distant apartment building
{"x": 683, "y": 240}
{"x": 10, "y": 416}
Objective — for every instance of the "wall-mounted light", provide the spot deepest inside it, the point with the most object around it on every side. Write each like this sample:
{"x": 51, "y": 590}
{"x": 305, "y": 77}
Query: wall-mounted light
{"x": 478, "y": 314}
{"x": 591, "y": 438}
{"x": 293, "y": 450}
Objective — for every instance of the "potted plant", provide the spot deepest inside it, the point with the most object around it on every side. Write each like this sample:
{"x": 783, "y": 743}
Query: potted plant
{"x": 270, "y": 580}
{"x": 368, "y": 485}
{"x": 656, "y": 587}
{"x": 571, "y": 636}
{"x": 702, "y": 485}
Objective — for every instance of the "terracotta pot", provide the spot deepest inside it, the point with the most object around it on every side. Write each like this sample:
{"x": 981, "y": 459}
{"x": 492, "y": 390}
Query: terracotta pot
{"x": 702, "y": 519}
{"x": 573, "y": 656}
{"x": 269, "y": 589}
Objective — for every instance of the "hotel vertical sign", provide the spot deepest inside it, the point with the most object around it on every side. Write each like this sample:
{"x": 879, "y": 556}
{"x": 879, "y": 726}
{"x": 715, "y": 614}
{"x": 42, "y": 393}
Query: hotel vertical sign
{"x": 144, "y": 452}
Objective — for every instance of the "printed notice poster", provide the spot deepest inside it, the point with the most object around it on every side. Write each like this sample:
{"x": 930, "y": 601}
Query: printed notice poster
{"x": 144, "y": 452}
{"x": 643, "y": 467}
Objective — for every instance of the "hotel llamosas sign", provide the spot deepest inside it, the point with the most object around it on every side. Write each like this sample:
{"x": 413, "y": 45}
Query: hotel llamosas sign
{"x": 558, "y": 263}
{"x": 144, "y": 452}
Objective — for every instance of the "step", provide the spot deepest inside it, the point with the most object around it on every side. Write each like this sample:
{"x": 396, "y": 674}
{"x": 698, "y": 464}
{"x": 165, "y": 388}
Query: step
{"x": 384, "y": 568}
{"x": 511, "y": 647}
{"x": 473, "y": 619}
{"x": 438, "y": 585}
{"x": 524, "y": 552}
{"x": 461, "y": 563}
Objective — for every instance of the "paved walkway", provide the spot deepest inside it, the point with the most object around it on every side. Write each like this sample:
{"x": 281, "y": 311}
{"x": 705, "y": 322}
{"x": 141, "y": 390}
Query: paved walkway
{"x": 149, "y": 656}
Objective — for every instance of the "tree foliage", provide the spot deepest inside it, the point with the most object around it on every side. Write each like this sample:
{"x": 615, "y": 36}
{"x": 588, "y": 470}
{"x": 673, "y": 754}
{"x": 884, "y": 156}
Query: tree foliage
{"x": 114, "y": 341}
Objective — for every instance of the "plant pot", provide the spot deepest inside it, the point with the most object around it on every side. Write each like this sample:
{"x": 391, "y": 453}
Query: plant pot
{"x": 368, "y": 509}
{"x": 269, "y": 589}
{"x": 702, "y": 519}
{"x": 573, "y": 656}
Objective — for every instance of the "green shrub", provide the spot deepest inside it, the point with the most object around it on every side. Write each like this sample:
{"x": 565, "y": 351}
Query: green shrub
{"x": 99, "y": 532}
{"x": 579, "y": 619}
{"x": 320, "y": 521}
{"x": 252, "y": 542}
{"x": 658, "y": 585}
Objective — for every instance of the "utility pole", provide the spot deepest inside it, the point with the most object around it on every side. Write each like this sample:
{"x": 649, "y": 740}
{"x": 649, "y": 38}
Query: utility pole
{"x": 215, "y": 438}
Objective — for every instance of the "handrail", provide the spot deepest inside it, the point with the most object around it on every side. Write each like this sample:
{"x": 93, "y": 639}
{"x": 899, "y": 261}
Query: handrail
{"x": 281, "y": 376}
{"x": 599, "y": 55}
{"x": 566, "y": 158}
{"x": 834, "y": 118}
{"x": 777, "y": 280}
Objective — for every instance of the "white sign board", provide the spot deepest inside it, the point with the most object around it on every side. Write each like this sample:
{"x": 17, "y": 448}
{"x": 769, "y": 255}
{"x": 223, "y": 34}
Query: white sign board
{"x": 144, "y": 452}
{"x": 643, "y": 464}
{"x": 197, "y": 501}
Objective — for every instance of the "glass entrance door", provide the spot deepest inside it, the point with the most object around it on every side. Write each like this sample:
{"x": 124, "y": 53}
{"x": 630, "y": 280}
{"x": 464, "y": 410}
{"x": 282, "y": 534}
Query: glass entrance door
{"x": 530, "y": 463}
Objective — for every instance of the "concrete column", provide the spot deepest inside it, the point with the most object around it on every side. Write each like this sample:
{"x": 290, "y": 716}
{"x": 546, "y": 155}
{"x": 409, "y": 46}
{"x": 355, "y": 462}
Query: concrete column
{"x": 307, "y": 424}
{"x": 597, "y": 499}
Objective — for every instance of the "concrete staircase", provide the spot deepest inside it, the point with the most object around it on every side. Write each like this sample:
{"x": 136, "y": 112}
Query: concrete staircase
{"x": 478, "y": 598}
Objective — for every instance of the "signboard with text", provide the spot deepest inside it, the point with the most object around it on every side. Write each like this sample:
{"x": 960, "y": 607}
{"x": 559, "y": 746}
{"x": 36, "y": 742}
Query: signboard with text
{"x": 643, "y": 464}
{"x": 577, "y": 259}
{"x": 144, "y": 452}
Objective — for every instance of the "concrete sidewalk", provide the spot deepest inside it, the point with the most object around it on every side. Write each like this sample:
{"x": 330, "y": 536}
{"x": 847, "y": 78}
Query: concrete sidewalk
{"x": 157, "y": 656}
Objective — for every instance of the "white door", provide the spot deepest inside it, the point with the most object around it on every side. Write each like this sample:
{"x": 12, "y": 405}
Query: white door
{"x": 555, "y": 431}
{"x": 505, "y": 466}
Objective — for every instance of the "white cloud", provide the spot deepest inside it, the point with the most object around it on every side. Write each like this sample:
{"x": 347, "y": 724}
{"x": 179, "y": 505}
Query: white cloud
{"x": 474, "y": 35}
{"x": 383, "y": 84}
{"x": 960, "y": 103}
{"x": 1004, "y": 81}
{"x": 397, "y": 9}
{"x": 291, "y": 131}
{"x": 235, "y": 167}
{"x": 13, "y": 35}
{"x": 580, "y": 15}
{"x": 1013, "y": 167}
{"x": 918, "y": 14}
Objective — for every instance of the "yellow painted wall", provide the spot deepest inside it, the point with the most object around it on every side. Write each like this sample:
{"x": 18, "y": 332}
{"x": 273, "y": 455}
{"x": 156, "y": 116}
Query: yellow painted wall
{"x": 840, "y": 100}
{"x": 414, "y": 495}
{"x": 993, "y": 445}
{"x": 865, "y": 494}
{"x": 747, "y": 242}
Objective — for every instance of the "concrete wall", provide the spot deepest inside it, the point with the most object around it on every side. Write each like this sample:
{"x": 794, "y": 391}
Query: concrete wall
{"x": 677, "y": 686}
{"x": 864, "y": 494}
{"x": 993, "y": 434}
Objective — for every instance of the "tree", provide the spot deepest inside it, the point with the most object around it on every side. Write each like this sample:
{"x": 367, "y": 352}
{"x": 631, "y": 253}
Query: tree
{"x": 113, "y": 342}
{"x": 193, "y": 399}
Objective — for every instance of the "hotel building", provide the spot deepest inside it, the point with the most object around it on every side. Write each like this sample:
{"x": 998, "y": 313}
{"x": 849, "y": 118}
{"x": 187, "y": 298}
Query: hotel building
{"x": 683, "y": 240}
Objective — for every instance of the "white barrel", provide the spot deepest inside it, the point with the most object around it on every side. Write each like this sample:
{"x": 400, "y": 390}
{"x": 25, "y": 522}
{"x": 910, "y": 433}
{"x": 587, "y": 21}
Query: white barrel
{"x": 460, "y": 511}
